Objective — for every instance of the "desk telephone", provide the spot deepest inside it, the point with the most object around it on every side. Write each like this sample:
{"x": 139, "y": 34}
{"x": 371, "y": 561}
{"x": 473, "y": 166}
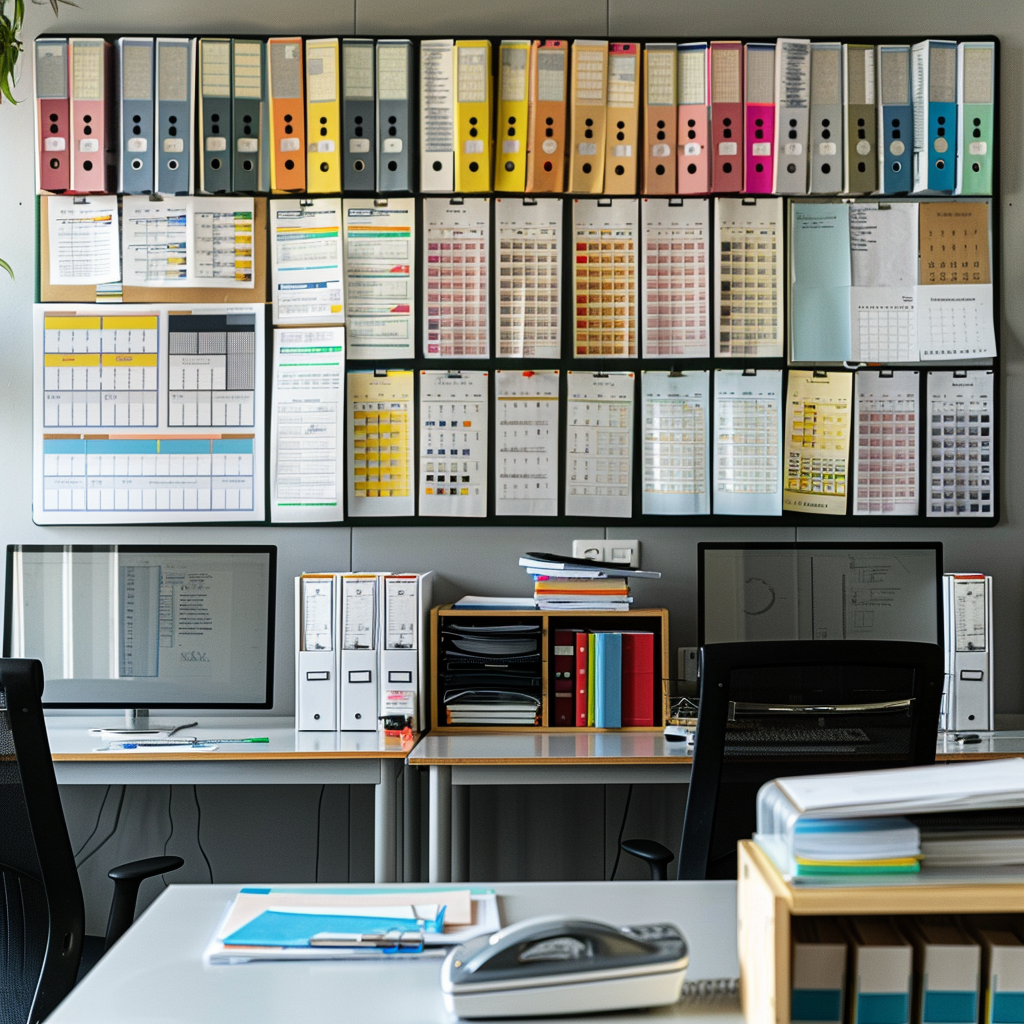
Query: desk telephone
{"x": 563, "y": 965}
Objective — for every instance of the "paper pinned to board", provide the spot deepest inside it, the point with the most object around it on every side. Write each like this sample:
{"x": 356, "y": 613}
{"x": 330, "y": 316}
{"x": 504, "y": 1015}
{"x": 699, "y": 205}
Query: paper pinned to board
{"x": 85, "y": 246}
{"x": 526, "y": 448}
{"x": 306, "y": 261}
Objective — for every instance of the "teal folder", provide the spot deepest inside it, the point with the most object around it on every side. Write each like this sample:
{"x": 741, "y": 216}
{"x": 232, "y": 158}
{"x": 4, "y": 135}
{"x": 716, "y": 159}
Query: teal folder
{"x": 821, "y": 276}
{"x": 274, "y": 928}
{"x": 608, "y": 680}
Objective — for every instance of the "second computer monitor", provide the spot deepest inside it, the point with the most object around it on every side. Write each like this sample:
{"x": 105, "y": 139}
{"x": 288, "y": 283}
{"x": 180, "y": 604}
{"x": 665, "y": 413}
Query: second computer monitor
{"x": 819, "y": 592}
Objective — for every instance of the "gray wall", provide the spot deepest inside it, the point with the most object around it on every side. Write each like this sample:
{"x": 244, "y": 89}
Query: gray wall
{"x": 527, "y": 833}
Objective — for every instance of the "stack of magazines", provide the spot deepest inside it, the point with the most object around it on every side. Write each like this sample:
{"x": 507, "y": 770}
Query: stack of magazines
{"x": 561, "y": 583}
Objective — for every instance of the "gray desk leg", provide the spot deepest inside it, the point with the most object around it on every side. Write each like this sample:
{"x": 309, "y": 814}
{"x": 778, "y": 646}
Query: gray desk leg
{"x": 411, "y": 824}
{"x": 440, "y": 857}
{"x": 385, "y": 821}
{"x": 460, "y": 833}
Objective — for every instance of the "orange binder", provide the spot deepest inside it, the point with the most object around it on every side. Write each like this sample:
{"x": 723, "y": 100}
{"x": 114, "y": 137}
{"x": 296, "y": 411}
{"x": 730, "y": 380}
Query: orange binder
{"x": 660, "y": 121}
{"x": 589, "y": 115}
{"x": 620, "y": 161}
{"x": 287, "y": 115}
{"x": 545, "y": 157}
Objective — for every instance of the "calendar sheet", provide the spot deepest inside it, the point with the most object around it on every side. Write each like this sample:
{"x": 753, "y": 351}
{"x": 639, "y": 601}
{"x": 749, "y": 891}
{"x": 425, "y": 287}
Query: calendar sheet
{"x": 606, "y": 239}
{"x": 529, "y": 269}
{"x": 599, "y": 444}
{"x": 148, "y": 415}
{"x": 675, "y": 414}
{"x": 886, "y": 438}
{"x": 961, "y": 463}
{"x": 748, "y": 443}
{"x": 748, "y": 275}
{"x": 457, "y": 239}
{"x": 453, "y": 442}
{"x": 526, "y": 446}
{"x": 381, "y": 442}
{"x": 817, "y": 441}
{"x": 675, "y": 278}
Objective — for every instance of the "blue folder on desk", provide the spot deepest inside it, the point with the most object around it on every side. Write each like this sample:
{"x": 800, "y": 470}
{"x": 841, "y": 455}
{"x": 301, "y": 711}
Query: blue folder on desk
{"x": 281, "y": 928}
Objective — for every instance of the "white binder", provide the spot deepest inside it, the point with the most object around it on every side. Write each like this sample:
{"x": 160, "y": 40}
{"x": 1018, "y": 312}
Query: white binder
{"x": 405, "y": 606}
{"x": 359, "y": 642}
{"x": 968, "y": 700}
{"x": 316, "y": 652}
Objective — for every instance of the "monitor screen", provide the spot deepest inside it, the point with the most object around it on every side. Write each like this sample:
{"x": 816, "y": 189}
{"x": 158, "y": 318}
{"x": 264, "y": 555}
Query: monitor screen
{"x": 819, "y": 592}
{"x": 145, "y": 626}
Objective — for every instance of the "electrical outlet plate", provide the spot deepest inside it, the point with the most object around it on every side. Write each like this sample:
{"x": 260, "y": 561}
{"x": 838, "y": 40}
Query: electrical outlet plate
{"x": 688, "y": 664}
{"x": 626, "y": 552}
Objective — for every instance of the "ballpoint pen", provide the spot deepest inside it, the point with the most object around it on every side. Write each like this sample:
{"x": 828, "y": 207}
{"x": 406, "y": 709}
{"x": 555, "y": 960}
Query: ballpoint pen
{"x": 184, "y": 742}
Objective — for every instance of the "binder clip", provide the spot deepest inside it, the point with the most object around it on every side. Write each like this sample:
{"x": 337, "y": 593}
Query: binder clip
{"x": 529, "y": 201}
{"x": 820, "y": 374}
{"x": 380, "y": 204}
{"x": 675, "y": 201}
{"x": 453, "y": 374}
{"x": 885, "y": 374}
{"x": 675, "y": 372}
{"x": 604, "y": 202}
{"x": 80, "y": 200}
{"x": 749, "y": 371}
{"x": 305, "y": 202}
{"x": 380, "y": 373}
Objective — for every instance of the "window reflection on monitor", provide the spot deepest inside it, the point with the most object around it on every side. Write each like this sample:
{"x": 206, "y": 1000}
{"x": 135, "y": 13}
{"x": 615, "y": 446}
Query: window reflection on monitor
{"x": 819, "y": 592}
{"x": 145, "y": 626}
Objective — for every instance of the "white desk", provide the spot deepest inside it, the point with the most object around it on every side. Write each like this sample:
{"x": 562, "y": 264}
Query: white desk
{"x": 155, "y": 973}
{"x": 306, "y": 758}
{"x": 577, "y": 758}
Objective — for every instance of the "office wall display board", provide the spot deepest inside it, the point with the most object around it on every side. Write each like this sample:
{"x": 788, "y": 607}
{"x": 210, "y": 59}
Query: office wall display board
{"x": 791, "y": 339}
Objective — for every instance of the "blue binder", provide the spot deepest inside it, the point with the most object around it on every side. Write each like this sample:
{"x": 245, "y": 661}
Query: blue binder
{"x": 896, "y": 122}
{"x": 935, "y": 129}
{"x": 608, "y": 680}
{"x": 175, "y": 99}
{"x": 135, "y": 58}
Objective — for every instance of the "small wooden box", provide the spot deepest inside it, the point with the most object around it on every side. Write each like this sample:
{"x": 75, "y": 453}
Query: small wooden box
{"x": 766, "y": 904}
{"x": 653, "y": 620}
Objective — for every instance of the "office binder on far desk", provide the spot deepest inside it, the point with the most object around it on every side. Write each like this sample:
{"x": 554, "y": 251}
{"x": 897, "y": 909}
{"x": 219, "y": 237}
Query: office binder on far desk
{"x": 175, "y": 107}
{"x": 93, "y": 116}
{"x": 215, "y": 115}
{"x": 360, "y": 638}
{"x": 323, "y": 117}
{"x": 248, "y": 114}
{"x": 968, "y": 700}
{"x": 405, "y": 604}
{"x": 316, "y": 664}
{"x": 287, "y": 115}
{"x": 135, "y": 94}
{"x": 396, "y": 113}
{"x": 358, "y": 116}
{"x": 53, "y": 116}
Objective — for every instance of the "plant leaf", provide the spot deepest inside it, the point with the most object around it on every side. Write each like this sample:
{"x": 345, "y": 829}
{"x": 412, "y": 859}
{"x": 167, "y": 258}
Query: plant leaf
{"x": 4, "y": 265}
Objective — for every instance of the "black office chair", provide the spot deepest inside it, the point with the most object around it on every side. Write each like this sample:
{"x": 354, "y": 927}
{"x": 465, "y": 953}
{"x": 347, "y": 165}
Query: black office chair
{"x": 779, "y": 708}
{"x": 42, "y": 913}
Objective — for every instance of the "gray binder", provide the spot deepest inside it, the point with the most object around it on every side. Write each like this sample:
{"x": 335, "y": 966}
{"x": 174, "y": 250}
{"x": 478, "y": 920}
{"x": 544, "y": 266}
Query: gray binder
{"x": 395, "y": 112}
{"x": 358, "y": 116}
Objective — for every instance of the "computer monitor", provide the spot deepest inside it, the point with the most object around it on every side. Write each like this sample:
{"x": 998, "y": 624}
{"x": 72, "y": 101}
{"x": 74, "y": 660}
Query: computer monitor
{"x": 840, "y": 591}
{"x": 145, "y": 626}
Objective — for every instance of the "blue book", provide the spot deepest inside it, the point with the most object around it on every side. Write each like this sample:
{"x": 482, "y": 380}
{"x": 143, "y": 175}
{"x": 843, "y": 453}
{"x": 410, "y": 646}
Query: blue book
{"x": 608, "y": 680}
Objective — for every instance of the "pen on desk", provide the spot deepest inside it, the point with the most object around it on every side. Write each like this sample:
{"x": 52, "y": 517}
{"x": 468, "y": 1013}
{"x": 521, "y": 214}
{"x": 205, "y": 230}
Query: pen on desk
{"x": 186, "y": 742}
{"x": 178, "y": 728}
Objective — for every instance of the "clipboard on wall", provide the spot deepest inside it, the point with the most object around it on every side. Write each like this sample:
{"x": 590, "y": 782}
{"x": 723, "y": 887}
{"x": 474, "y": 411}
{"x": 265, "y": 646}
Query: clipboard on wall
{"x": 87, "y": 292}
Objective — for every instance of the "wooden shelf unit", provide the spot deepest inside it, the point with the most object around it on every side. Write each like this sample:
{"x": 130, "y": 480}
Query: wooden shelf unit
{"x": 653, "y": 620}
{"x": 766, "y": 905}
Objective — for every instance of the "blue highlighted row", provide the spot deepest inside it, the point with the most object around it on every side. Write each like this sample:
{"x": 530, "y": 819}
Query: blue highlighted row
{"x": 103, "y": 446}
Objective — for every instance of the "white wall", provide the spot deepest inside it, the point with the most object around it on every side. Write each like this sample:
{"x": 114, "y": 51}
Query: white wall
{"x": 271, "y": 833}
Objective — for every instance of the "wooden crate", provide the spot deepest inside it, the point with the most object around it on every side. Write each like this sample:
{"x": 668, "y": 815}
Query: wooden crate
{"x": 654, "y": 620}
{"x": 766, "y": 904}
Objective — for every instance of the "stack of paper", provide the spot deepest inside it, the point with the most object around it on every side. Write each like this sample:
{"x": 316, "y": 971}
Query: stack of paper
{"x": 855, "y": 846}
{"x": 570, "y": 584}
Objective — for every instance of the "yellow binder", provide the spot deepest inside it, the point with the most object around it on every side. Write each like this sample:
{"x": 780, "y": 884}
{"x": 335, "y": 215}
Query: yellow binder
{"x": 587, "y": 104}
{"x": 323, "y": 116}
{"x": 513, "y": 115}
{"x": 473, "y": 115}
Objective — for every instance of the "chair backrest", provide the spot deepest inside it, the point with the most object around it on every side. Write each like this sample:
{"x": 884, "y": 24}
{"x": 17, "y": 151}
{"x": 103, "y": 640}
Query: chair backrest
{"x": 42, "y": 913}
{"x": 778, "y": 708}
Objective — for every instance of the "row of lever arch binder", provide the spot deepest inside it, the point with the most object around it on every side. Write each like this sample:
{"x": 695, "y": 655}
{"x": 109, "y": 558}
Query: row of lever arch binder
{"x": 360, "y": 650}
{"x": 318, "y": 115}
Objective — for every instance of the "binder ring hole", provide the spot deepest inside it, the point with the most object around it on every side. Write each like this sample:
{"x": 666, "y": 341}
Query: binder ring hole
{"x": 588, "y": 133}
{"x": 289, "y": 165}
{"x": 691, "y": 123}
{"x": 215, "y": 164}
{"x": 661, "y": 124}
{"x": 54, "y": 128}
{"x": 474, "y": 167}
{"x": 509, "y": 166}
{"x": 172, "y": 130}
{"x": 547, "y": 165}
{"x": 586, "y": 168}
{"x": 325, "y": 167}
{"x": 287, "y": 118}
{"x": 791, "y": 168}
{"x": 323, "y": 131}
{"x": 589, "y": 122}
{"x": 547, "y": 120}
{"x": 359, "y": 165}
{"x": 247, "y": 119}
{"x": 247, "y": 165}
{"x": 437, "y": 165}
{"x": 87, "y": 166}
{"x": 53, "y": 117}
{"x": 975, "y": 168}
{"x": 691, "y": 168}
{"x": 54, "y": 163}
{"x": 826, "y": 168}
{"x": 87, "y": 118}
{"x": 661, "y": 136}
{"x": 87, "y": 130}
{"x": 759, "y": 168}
{"x": 392, "y": 120}
{"x": 659, "y": 169}
{"x": 940, "y": 164}
{"x": 897, "y": 167}
{"x": 172, "y": 119}
{"x": 393, "y": 165}
{"x": 619, "y": 169}
{"x": 323, "y": 120}
{"x": 172, "y": 165}
{"x": 137, "y": 119}
{"x": 247, "y": 129}
{"x": 727, "y": 167}
{"x": 288, "y": 129}
{"x": 136, "y": 165}
{"x": 136, "y": 130}
{"x": 394, "y": 131}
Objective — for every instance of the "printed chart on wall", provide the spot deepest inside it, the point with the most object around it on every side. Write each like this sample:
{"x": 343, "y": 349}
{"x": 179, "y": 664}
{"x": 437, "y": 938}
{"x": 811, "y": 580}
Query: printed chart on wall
{"x": 145, "y": 415}
{"x": 817, "y": 441}
{"x": 83, "y": 239}
{"x": 606, "y": 239}
{"x": 457, "y": 243}
{"x": 526, "y": 446}
{"x": 676, "y": 242}
{"x": 674, "y": 415}
{"x": 961, "y": 467}
{"x": 307, "y": 431}
{"x": 380, "y": 254}
{"x": 188, "y": 242}
{"x": 886, "y": 482}
{"x": 381, "y": 443}
{"x": 453, "y": 442}
{"x": 748, "y": 275}
{"x": 748, "y": 443}
{"x": 306, "y": 261}
{"x": 599, "y": 444}
{"x": 529, "y": 268}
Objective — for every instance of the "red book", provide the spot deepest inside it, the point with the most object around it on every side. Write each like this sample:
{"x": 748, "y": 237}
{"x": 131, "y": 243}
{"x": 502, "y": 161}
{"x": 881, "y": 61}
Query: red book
{"x": 638, "y": 679}
{"x": 582, "y": 675}
{"x": 565, "y": 672}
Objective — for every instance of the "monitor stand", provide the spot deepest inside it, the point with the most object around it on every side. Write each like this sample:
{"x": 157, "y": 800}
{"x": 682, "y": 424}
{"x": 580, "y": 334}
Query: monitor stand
{"x": 137, "y": 725}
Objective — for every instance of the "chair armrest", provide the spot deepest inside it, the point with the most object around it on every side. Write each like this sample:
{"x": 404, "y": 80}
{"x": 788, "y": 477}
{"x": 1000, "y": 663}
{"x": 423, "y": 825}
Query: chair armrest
{"x": 658, "y": 857}
{"x": 127, "y": 879}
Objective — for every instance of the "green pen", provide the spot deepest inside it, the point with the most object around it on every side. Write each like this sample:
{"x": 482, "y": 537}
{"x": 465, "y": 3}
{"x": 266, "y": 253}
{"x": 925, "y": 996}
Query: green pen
{"x": 185, "y": 742}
